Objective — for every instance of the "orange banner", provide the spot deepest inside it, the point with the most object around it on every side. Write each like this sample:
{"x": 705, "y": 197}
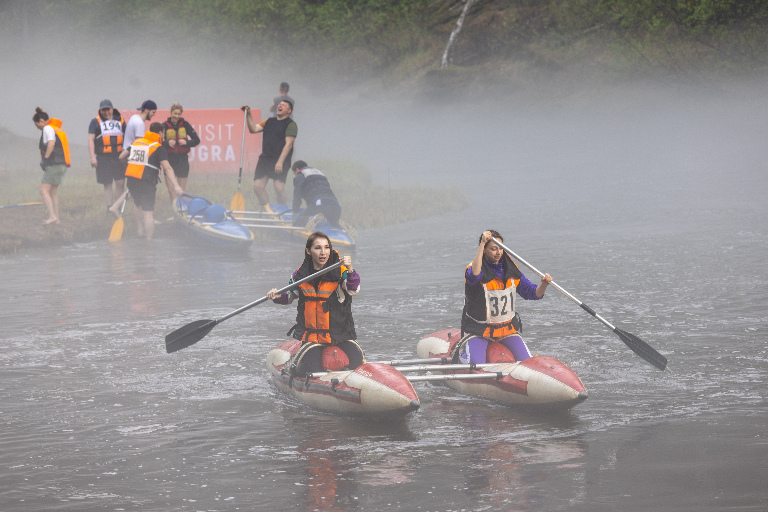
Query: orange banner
{"x": 220, "y": 132}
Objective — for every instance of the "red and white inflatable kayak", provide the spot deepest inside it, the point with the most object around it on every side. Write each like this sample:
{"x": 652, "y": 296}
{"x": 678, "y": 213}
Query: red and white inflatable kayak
{"x": 540, "y": 381}
{"x": 372, "y": 389}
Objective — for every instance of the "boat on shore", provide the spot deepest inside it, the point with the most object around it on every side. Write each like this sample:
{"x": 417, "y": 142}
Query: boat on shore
{"x": 210, "y": 223}
{"x": 279, "y": 217}
{"x": 373, "y": 389}
{"x": 539, "y": 382}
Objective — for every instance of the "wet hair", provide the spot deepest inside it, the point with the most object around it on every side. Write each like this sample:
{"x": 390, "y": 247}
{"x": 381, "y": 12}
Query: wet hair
{"x": 310, "y": 242}
{"x": 176, "y": 106}
{"x": 39, "y": 115}
{"x": 156, "y": 127}
{"x": 289, "y": 102}
{"x": 284, "y": 86}
{"x": 299, "y": 164}
{"x": 495, "y": 234}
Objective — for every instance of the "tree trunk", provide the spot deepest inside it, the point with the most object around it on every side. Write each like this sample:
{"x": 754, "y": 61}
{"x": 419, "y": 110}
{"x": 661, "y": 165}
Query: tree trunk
{"x": 455, "y": 34}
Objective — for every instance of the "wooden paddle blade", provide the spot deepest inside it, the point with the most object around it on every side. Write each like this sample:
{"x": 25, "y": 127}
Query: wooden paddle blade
{"x": 642, "y": 349}
{"x": 237, "y": 204}
{"x": 188, "y": 335}
{"x": 117, "y": 230}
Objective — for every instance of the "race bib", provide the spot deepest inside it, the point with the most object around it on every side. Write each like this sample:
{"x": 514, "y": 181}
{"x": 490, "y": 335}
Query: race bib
{"x": 139, "y": 155}
{"x": 111, "y": 128}
{"x": 500, "y": 305}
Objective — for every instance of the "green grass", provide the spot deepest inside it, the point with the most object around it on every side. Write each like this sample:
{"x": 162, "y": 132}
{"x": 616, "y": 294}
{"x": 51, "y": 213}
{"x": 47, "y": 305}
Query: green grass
{"x": 364, "y": 204}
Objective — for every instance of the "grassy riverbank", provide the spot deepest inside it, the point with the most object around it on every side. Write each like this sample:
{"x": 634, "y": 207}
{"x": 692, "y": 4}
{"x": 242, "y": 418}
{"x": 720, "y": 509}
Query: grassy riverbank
{"x": 84, "y": 217}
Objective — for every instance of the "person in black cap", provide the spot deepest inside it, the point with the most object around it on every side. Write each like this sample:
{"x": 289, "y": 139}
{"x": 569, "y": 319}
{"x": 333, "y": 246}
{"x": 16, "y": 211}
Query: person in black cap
{"x": 105, "y": 143}
{"x": 312, "y": 186}
{"x": 135, "y": 129}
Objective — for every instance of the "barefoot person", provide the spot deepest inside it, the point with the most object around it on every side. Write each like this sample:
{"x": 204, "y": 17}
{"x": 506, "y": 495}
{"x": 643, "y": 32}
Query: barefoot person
{"x": 105, "y": 143}
{"x": 54, "y": 151}
{"x": 276, "y": 151}
{"x": 324, "y": 316}
{"x": 146, "y": 158}
{"x": 491, "y": 283}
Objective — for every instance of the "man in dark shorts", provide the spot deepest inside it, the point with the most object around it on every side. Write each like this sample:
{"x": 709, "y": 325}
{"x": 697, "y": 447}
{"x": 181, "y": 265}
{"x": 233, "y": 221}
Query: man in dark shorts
{"x": 146, "y": 158}
{"x": 276, "y": 151}
{"x": 105, "y": 143}
{"x": 311, "y": 186}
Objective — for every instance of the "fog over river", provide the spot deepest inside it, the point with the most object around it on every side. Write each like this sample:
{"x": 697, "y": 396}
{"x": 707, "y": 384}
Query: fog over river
{"x": 647, "y": 203}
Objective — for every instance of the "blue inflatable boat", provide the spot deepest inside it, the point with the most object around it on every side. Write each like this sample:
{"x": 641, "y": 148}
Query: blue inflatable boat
{"x": 210, "y": 223}
{"x": 339, "y": 237}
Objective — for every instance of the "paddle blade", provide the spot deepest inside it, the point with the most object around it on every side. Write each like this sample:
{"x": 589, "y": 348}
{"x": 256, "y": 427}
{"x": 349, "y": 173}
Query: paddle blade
{"x": 188, "y": 335}
{"x": 237, "y": 204}
{"x": 117, "y": 230}
{"x": 642, "y": 349}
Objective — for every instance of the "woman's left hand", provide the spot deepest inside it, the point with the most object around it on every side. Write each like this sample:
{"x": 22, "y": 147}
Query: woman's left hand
{"x": 347, "y": 262}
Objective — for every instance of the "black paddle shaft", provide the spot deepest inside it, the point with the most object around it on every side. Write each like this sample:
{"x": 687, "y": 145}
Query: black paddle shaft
{"x": 635, "y": 344}
{"x": 195, "y": 331}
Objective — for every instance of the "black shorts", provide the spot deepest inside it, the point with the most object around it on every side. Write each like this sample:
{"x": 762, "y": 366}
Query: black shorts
{"x": 180, "y": 164}
{"x": 109, "y": 169}
{"x": 143, "y": 193}
{"x": 266, "y": 167}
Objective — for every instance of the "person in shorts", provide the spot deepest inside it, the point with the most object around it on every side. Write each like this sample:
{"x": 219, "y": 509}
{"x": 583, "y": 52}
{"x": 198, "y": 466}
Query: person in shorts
{"x": 54, "y": 154}
{"x": 279, "y": 135}
{"x": 146, "y": 158}
{"x": 105, "y": 143}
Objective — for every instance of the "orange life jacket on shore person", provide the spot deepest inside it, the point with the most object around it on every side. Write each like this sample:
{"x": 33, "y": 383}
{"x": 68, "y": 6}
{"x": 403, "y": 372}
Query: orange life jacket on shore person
{"x": 138, "y": 159}
{"x": 110, "y": 140}
{"x": 60, "y": 153}
{"x": 489, "y": 309}
{"x": 325, "y": 309}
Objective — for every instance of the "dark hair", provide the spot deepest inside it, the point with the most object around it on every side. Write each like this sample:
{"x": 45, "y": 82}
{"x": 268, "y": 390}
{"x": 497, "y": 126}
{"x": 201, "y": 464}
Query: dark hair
{"x": 289, "y": 102}
{"x": 311, "y": 240}
{"x": 284, "y": 86}
{"x": 299, "y": 164}
{"x": 156, "y": 127}
{"x": 39, "y": 114}
{"x": 495, "y": 234}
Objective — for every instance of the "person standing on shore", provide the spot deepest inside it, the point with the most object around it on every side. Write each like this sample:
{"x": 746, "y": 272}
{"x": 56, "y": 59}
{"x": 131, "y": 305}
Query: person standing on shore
{"x": 105, "y": 143}
{"x": 54, "y": 153}
{"x": 180, "y": 137}
{"x": 146, "y": 158}
{"x": 283, "y": 96}
{"x": 276, "y": 151}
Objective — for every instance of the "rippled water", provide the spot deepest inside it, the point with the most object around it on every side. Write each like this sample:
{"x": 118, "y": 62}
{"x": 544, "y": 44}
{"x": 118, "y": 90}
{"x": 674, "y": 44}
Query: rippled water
{"x": 668, "y": 242}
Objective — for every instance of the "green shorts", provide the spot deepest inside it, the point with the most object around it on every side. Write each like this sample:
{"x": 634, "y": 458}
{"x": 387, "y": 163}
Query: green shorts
{"x": 54, "y": 174}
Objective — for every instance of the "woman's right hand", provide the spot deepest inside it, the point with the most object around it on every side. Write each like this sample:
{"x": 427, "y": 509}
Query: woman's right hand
{"x": 272, "y": 293}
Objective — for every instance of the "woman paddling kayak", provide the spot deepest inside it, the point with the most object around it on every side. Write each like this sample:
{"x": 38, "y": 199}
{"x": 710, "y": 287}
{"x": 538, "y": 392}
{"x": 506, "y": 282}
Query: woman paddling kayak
{"x": 491, "y": 283}
{"x": 324, "y": 319}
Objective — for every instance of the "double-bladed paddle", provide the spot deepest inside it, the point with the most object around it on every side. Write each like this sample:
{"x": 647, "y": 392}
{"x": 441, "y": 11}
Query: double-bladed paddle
{"x": 195, "y": 331}
{"x": 635, "y": 344}
{"x": 238, "y": 201}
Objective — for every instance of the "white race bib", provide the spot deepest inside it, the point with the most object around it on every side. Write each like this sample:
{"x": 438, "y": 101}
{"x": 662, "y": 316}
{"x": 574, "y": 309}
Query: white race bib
{"x": 500, "y": 305}
{"x": 111, "y": 128}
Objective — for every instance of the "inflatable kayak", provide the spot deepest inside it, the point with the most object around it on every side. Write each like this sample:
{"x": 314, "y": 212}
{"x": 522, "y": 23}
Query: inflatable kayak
{"x": 372, "y": 389}
{"x": 539, "y": 381}
{"x": 210, "y": 223}
{"x": 339, "y": 237}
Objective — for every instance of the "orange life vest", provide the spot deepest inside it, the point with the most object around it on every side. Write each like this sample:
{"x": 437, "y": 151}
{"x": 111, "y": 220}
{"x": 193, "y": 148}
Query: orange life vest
{"x": 110, "y": 140}
{"x": 489, "y": 309}
{"x": 325, "y": 309}
{"x": 60, "y": 153}
{"x": 138, "y": 159}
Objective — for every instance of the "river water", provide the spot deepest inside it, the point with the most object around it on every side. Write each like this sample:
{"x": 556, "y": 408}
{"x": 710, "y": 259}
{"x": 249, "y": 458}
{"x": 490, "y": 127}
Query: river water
{"x": 659, "y": 223}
